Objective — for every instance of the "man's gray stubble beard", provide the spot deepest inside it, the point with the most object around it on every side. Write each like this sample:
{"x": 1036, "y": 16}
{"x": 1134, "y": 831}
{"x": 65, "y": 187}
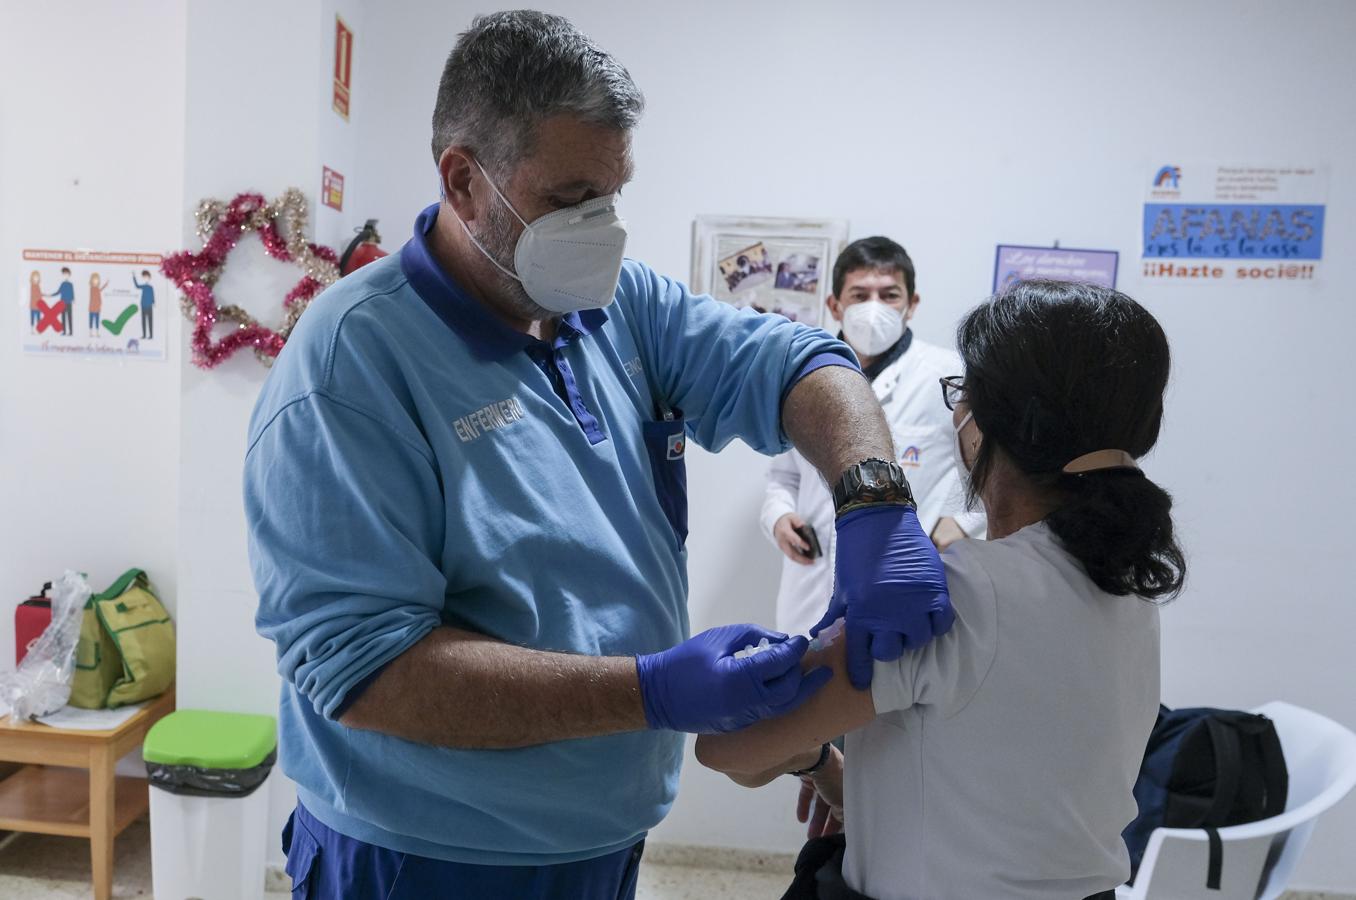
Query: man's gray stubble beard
{"x": 500, "y": 242}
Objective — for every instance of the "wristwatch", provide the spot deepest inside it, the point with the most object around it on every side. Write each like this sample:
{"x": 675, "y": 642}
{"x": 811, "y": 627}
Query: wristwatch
{"x": 819, "y": 764}
{"x": 871, "y": 482}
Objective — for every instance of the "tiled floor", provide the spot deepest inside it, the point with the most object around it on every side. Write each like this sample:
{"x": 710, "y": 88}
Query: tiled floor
{"x": 37, "y": 867}
{"x": 34, "y": 866}
{"x": 658, "y": 882}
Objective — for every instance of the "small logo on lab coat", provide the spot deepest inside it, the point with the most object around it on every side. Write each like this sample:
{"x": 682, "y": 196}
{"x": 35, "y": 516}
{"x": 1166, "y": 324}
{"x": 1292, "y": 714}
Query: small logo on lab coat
{"x": 677, "y": 444}
{"x": 910, "y": 458}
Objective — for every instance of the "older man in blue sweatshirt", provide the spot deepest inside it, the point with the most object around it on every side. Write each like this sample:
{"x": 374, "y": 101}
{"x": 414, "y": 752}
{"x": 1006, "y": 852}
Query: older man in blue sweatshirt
{"x": 465, "y": 493}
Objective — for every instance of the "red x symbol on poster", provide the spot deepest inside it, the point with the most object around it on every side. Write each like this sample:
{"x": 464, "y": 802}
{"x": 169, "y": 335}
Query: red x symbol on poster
{"x": 51, "y": 315}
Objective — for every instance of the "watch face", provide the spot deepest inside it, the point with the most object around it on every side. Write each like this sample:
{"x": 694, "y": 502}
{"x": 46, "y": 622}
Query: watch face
{"x": 879, "y": 476}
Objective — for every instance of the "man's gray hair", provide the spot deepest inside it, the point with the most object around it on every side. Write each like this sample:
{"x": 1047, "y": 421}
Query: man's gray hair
{"x": 510, "y": 70}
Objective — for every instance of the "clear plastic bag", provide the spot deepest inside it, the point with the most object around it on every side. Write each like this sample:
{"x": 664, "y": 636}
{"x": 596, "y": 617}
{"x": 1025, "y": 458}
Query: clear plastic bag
{"x": 42, "y": 683}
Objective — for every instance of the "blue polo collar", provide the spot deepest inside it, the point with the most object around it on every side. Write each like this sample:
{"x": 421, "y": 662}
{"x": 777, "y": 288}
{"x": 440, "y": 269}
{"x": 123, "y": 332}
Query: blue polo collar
{"x": 486, "y": 335}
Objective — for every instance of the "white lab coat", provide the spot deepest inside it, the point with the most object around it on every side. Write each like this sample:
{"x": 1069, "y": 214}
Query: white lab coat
{"x": 909, "y": 393}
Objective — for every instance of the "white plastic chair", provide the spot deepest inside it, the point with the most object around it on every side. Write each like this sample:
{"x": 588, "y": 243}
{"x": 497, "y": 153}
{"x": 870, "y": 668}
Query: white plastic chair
{"x": 1321, "y": 758}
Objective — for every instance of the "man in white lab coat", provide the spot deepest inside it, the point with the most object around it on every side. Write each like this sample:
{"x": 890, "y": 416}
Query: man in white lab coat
{"x": 874, "y": 299}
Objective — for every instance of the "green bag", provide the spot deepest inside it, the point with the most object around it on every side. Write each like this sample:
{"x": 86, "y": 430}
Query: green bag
{"x": 126, "y": 649}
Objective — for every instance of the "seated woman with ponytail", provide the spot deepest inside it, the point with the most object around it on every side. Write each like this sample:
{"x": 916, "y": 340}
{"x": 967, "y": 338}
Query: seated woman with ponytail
{"x": 998, "y": 761}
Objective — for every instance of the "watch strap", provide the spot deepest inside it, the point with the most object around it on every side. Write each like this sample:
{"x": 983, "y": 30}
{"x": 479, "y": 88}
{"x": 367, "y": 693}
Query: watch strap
{"x": 871, "y": 482}
{"x": 819, "y": 764}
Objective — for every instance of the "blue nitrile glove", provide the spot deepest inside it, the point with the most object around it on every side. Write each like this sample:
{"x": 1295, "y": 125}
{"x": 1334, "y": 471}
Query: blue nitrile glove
{"x": 890, "y": 586}
{"x": 699, "y": 686}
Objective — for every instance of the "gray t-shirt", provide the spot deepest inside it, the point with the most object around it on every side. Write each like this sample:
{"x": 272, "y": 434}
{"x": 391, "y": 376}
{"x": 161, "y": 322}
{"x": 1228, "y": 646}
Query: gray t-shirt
{"x": 1004, "y": 754}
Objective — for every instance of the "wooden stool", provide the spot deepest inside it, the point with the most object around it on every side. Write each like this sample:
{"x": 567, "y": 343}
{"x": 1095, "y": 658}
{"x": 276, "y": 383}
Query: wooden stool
{"x": 97, "y": 805}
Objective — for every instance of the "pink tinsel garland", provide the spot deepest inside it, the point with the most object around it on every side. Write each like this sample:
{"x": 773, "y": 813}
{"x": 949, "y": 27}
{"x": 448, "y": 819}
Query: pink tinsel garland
{"x": 221, "y": 228}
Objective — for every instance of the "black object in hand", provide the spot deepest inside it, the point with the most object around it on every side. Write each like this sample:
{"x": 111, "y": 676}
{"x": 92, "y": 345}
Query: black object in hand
{"x": 807, "y": 534}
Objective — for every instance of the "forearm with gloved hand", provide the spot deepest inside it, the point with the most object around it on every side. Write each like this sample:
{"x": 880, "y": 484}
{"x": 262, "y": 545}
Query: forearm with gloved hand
{"x": 888, "y": 579}
{"x": 457, "y": 688}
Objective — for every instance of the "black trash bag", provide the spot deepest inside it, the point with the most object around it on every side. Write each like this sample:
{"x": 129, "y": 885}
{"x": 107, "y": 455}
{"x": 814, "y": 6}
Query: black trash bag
{"x": 196, "y": 781}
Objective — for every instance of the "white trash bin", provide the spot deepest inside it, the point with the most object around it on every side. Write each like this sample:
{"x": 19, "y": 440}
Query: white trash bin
{"x": 215, "y": 848}
{"x": 210, "y": 775}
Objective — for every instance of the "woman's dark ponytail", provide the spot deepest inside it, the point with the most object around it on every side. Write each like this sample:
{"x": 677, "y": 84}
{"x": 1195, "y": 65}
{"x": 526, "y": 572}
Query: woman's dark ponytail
{"x": 1118, "y": 524}
{"x": 1054, "y": 371}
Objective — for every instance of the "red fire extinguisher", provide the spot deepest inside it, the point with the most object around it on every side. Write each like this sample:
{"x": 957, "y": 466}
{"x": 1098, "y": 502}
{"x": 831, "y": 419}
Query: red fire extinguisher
{"x": 31, "y": 619}
{"x": 363, "y": 249}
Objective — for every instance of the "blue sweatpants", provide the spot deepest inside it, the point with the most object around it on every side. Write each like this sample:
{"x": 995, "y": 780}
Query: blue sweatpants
{"x": 326, "y": 865}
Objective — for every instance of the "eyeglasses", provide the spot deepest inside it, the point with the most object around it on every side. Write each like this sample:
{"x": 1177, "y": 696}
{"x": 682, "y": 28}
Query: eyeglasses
{"x": 953, "y": 390}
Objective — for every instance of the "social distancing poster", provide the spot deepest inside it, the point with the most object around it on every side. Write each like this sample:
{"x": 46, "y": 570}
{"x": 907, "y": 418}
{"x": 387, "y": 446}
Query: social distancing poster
{"x": 93, "y": 304}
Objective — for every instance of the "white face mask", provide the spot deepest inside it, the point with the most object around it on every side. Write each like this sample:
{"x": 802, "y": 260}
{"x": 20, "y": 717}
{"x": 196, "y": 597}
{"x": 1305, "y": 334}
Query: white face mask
{"x": 961, "y": 468}
{"x": 872, "y": 327}
{"x": 567, "y": 260}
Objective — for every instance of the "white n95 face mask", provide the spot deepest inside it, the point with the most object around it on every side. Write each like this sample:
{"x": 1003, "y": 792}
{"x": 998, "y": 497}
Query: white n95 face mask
{"x": 568, "y": 260}
{"x": 872, "y": 326}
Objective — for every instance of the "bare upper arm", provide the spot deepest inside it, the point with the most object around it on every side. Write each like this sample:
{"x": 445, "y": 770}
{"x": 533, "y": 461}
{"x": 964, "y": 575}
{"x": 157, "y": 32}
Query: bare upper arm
{"x": 836, "y": 709}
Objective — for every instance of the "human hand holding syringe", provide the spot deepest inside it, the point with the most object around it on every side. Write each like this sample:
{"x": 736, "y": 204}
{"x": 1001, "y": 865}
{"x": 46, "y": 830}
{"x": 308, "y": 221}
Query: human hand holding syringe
{"x": 825, "y": 639}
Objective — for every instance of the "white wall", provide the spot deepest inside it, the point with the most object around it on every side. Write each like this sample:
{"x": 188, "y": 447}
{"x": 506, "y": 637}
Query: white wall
{"x": 263, "y": 128}
{"x": 248, "y": 128}
{"x": 91, "y": 156}
{"x": 955, "y": 126}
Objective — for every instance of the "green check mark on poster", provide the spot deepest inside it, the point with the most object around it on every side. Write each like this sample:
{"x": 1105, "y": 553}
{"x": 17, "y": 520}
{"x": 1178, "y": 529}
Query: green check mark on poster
{"x": 118, "y": 324}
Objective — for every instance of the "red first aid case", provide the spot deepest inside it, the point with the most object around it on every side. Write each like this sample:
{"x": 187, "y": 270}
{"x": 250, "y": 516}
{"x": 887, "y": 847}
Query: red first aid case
{"x": 31, "y": 619}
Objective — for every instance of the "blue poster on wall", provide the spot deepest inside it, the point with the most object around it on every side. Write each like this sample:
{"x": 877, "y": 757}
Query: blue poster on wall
{"x": 1015, "y": 262}
{"x": 1234, "y": 223}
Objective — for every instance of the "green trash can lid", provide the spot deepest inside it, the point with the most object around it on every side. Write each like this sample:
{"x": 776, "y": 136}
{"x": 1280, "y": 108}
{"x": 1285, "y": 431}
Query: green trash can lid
{"x": 211, "y": 740}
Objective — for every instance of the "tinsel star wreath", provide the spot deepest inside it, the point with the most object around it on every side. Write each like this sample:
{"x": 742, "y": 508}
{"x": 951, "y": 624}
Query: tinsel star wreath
{"x": 281, "y": 225}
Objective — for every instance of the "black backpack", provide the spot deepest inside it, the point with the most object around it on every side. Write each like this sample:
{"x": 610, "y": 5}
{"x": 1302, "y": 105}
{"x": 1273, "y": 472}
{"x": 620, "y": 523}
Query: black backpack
{"x": 1208, "y": 768}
